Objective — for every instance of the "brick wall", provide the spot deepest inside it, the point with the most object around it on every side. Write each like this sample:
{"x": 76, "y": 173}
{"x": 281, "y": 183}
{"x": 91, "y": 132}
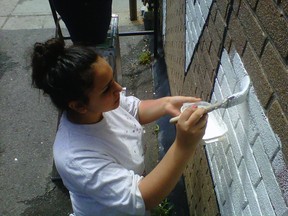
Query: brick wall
{"x": 206, "y": 56}
{"x": 198, "y": 179}
{"x": 174, "y": 54}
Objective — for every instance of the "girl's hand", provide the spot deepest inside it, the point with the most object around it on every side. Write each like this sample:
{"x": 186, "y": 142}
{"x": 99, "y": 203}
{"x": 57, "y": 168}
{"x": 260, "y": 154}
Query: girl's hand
{"x": 191, "y": 126}
{"x": 174, "y": 104}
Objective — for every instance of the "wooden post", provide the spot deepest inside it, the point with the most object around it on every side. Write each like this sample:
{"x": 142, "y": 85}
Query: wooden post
{"x": 133, "y": 9}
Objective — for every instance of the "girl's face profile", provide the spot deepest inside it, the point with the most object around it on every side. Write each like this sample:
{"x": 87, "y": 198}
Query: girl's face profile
{"x": 105, "y": 95}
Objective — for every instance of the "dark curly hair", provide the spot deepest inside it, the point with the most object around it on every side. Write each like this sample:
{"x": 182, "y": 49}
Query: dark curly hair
{"x": 65, "y": 74}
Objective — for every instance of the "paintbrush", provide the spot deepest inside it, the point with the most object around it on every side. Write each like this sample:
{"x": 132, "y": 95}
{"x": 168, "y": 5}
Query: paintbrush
{"x": 232, "y": 100}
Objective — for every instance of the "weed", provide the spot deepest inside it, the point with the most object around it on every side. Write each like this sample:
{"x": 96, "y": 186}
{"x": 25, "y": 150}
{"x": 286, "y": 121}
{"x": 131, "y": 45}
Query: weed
{"x": 145, "y": 58}
{"x": 163, "y": 209}
{"x": 156, "y": 129}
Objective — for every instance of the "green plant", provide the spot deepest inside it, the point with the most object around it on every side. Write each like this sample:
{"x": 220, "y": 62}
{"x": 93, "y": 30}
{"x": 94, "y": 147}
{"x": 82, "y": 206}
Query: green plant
{"x": 156, "y": 129}
{"x": 163, "y": 209}
{"x": 145, "y": 58}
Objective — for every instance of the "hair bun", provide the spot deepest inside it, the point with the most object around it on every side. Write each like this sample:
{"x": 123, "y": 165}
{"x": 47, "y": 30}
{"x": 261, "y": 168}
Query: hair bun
{"x": 44, "y": 59}
{"x": 50, "y": 50}
{"x": 55, "y": 47}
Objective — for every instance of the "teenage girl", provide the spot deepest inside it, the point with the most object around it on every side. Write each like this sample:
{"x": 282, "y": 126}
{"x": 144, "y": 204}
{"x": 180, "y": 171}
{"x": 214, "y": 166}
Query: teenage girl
{"x": 98, "y": 150}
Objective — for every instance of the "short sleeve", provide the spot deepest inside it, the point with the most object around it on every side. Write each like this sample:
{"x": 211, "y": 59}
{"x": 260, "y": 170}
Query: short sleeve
{"x": 110, "y": 184}
{"x": 130, "y": 104}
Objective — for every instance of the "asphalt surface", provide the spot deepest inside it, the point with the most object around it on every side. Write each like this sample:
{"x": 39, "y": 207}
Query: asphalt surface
{"x": 28, "y": 121}
{"x": 28, "y": 125}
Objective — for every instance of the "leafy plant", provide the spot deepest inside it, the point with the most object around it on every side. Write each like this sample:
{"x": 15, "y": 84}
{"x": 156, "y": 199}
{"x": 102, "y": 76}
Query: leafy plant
{"x": 156, "y": 129}
{"x": 163, "y": 209}
{"x": 145, "y": 58}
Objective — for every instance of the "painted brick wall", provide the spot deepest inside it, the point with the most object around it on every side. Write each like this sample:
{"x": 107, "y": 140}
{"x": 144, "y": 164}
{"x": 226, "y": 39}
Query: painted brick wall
{"x": 199, "y": 186}
{"x": 249, "y": 166}
{"x": 196, "y": 15}
{"x": 241, "y": 163}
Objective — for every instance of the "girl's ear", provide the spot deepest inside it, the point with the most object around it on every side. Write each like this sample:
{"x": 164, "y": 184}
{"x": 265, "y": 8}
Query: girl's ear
{"x": 77, "y": 106}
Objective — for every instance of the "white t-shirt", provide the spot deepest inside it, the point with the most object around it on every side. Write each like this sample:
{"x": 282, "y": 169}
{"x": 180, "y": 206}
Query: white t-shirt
{"x": 101, "y": 164}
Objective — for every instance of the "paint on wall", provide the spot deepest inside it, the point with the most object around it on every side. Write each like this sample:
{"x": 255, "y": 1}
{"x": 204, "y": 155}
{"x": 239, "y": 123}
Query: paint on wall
{"x": 196, "y": 15}
{"x": 164, "y": 20}
{"x": 244, "y": 163}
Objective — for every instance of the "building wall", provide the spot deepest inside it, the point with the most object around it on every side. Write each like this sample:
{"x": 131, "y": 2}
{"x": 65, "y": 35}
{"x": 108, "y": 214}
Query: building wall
{"x": 209, "y": 46}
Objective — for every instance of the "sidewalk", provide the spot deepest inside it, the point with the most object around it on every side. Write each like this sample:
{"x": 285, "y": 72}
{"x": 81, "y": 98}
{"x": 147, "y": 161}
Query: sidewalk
{"x": 36, "y": 14}
{"x": 27, "y": 119}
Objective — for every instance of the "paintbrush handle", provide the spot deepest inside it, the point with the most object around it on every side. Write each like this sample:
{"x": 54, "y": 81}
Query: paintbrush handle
{"x": 212, "y": 107}
{"x": 208, "y": 109}
{"x": 174, "y": 119}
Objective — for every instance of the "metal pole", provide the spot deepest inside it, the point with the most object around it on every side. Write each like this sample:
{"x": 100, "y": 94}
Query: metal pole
{"x": 156, "y": 7}
{"x": 134, "y": 33}
{"x": 133, "y": 9}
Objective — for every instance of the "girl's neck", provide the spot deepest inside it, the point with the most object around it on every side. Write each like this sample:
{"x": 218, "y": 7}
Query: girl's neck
{"x": 78, "y": 118}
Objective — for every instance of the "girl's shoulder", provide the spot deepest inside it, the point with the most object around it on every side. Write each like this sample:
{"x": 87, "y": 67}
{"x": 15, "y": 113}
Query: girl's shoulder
{"x": 130, "y": 104}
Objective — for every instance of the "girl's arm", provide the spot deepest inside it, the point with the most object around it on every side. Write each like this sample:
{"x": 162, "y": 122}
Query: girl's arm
{"x": 163, "y": 178}
{"x": 151, "y": 110}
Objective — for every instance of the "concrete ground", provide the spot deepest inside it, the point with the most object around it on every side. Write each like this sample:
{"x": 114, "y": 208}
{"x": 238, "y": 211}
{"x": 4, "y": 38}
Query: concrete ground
{"x": 28, "y": 120}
